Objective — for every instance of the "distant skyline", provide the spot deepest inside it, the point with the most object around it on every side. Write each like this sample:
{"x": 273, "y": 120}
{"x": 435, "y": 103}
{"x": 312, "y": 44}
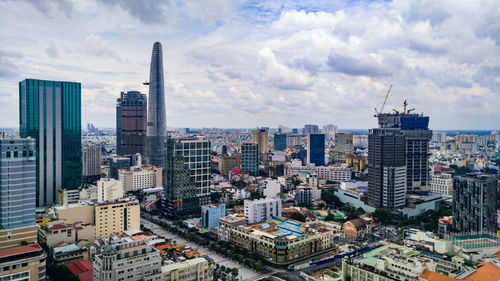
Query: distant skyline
{"x": 246, "y": 64}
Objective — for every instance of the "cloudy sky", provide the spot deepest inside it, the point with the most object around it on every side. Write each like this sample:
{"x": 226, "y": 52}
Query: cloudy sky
{"x": 247, "y": 63}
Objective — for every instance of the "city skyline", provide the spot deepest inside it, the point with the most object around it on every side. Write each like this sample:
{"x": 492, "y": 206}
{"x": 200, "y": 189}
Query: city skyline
{"x": 233, "y": 65}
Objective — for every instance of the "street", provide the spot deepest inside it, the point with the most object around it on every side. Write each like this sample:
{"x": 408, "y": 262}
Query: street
{"x": 244, "y": 272}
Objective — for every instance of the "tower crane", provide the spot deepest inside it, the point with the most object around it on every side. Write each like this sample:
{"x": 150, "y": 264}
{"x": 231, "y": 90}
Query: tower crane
{"x": 383, "y": 104}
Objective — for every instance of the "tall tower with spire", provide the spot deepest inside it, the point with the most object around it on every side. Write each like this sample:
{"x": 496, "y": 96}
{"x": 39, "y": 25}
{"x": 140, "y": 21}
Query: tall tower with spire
{"x": 156, "y": 133}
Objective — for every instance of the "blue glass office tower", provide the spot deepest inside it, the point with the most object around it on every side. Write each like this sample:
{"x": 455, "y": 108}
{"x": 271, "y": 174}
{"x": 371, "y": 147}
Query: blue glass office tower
{"x": 280, "y": 142}
{"x": 156, "y": 132}
{"x": 50, "y": 112}
{"x": 17, "y": 183}
{"x": 316, "y": 149}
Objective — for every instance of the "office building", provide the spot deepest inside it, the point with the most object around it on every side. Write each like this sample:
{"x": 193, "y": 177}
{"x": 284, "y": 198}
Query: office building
{"x": 50, "y": 113}
{"x": 197, "y": 269}
{"x": 280, "y": 142}
{"x": 294, "y": 140}
{"x": 316, "y": 149}
{"x": 187, "y": 182}
{"x": 261, "y": 137}
{"x": 474, "y": 203}
{"x": 442, "y": 184}
{"x": 131, "y": 117}
{"x": 250, "y": 158}
{"x": 156, "y": 131}
{"x": 310, "y": 129}
{"x": 116, "y": 163}
{"x": 343, "y": 147}
{"x": 210, "y": 215}
{"x": 91, "y": 156}
{"x": 127, "y": 259}
{"x": 330, "y": 131}
{"x": 140, "y": 177}
{"x": 386, "y": 155}
{"x": 260, "y": 210}
{"x": 17, "y": 191}
{"x": 228, "y": 163}
{"x": 227, "y": 223}
{"x": 109, "y": 189}
{"x": 23, "y": 263}
{"x": 116, "y": 217}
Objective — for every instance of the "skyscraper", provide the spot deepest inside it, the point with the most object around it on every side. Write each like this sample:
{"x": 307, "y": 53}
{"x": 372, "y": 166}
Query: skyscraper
{"x": 316, "y": 149}
{"x": 386, "y": 168}
{"x": 91, "y": 155}
{"x": 131, "y": 117}
{"x": 280, "y": 142}
{"x": 474, "y": 203}
{"x": 311, "y": 129}
{"x": 50, "y": 112}
{"x": 261, "y": 137}
{"x": 156, "y": 134}
{"x": 250, "y": 158}
{"x": 343, "y": 147}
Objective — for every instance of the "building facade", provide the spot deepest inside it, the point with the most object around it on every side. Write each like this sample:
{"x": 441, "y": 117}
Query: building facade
{"x": 250, "y": 158}
{"x": 210, "y": 215}
{"x": 116, "y": 163}
{"x": 131, "y": 117}
{"x": 23, "y": 263}
{"x": 310, "y": 129}
{"x": 109, "y": 189}
{"x": 316, "y": 149}
{"x": 280, "y": 142}
{"x": 261, "y": 137}
{"x": 140, "y": 177}
{"x": 197, "y": 269}
{"x": 91, "y": 157}
{"x": 50, "y": 112}
{"x": 228, "y": 163}
{"x": 262, "y": 209}
{"x": 442, "y": 184}
{"x": 116, "y": 217}
{"x": 229, "y": 222}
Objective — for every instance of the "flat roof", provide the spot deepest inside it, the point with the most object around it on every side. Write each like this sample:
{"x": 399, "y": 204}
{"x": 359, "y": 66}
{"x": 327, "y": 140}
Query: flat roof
{"x": 19, "y": 250}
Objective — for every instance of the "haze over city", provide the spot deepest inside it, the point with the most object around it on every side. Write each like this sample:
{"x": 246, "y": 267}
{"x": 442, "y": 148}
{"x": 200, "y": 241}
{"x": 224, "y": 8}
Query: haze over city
{"x": 262, "y": 63}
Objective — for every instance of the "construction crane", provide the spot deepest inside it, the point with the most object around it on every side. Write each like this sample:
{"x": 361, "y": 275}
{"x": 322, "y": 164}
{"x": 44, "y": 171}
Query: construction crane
{"x": 404, "y": 106}
{"x": 383, "y": 104}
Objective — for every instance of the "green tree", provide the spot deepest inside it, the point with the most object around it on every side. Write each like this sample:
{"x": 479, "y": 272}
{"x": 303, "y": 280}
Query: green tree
{"x": 62, "y": 272}
{"x": 298, "y": 216}
{"x": 258, "y": 266}
{"x": 383, "y": 216}
{"x": 234, "y": 272}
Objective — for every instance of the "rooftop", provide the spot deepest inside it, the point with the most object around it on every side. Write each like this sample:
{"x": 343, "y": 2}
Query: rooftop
{"x": 19, "y": 250}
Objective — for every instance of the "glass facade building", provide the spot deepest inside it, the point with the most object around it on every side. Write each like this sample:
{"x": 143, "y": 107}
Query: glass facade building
{"x": 316, "y": 149}
{"x": 17, "y": 183}
{"x": 280, "y": 142}
{"x": 50, "y": 112}
{"x": 131, "y": 116}
{"x": 250, "y": 158}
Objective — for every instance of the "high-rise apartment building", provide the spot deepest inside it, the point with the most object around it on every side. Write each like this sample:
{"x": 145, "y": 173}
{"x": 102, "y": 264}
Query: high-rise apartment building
{"x": 188, "y": 164}
{"x": 91, "y": 156}
{"x": 131, "y": 117}
{"x": 316, "y": 149}
{"x": 261, "y": 137}
{"x": 343, "y": 147}
{"x": 330, "y": 131}
{"x": 156, "y": 132}
{"x": 294, "y": 140}
{"x": 262, "y": 209}
{"x": 250, "y": 158}
{"x": 310, "y": 129}
{"x": 50, "y": 112}
{"x": 280, "y": 142}
{"x": 474, "y": 203}
{"x": 442, "y": 184}
{"x": 17, "y": 192}
{"x": 386, "y": 157}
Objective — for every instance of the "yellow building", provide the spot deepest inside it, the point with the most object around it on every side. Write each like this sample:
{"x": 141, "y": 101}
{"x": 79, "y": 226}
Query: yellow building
{"x": 116, "y": 217}
{"x": 16, "y": 236}
{"x": 261, "y": 137}
{"x": 357, "y": 162}
{"x": 198, "y": 269}
{"x": 23, "y": 263}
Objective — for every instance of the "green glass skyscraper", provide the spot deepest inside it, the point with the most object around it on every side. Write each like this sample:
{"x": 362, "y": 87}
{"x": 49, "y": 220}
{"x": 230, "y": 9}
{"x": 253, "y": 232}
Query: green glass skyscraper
{"x": 50, "y": 112}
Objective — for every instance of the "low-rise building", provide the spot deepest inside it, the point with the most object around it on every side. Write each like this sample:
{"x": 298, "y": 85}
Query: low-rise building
{"x": 210, "y": 215}
{"x": 227, "y": 223}
{"x": 23, "y": 263}
{"x": 356, "y": 229}
{"x": 67, "y": 196}
{"x": 332, "y": 173}
{"x": 197, "y": 269}
{"x": 116, "y": 217}
{"x": 262, "y": 209}
{"x": 72, "y": 252}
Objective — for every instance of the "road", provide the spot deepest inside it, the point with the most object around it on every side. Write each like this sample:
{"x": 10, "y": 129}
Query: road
{"x": 245, "y": 273}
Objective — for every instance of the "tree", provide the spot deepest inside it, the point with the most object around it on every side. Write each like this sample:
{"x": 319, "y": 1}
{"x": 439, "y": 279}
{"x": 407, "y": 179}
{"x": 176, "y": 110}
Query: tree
{"x": 258, "y": 266}
{"x": 62, "y": 272}
{"x": 215, "y": 197}
{"x": 298, "y": 217}
{"x": 234, "y": 272}
{"x": 383, "y": 216}
{"x": 330, "y": 217}
{"x": 347, "y": 277}
{"x": 295, "y": 180}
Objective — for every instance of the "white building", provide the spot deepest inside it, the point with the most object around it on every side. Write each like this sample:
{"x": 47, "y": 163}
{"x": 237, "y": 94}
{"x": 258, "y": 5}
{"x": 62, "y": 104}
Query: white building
{"x": 140, "y": 177}
{"x": 333, "y": 173}
{"x": 272, "y": 189}
{"x": 360, "y": 140}
{"x": 394, "y": 187}
{"x": 109, "y": 189}
{"x": 262, "y": 209}
{"x": 330, "y": 130}
{"x": 442, "y": 184}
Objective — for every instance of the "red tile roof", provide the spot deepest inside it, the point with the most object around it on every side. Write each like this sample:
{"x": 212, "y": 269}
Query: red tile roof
{"x": 58, "y": 226}
{"x": 485, "y": 271}
{"x": 19, "y": 250}
{"x": 83, "y": 269}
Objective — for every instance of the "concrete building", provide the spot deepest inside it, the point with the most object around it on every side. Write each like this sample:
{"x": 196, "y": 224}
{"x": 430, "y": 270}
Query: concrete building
{"x": 116, "y": 217}
{"x": 294, "y": 140}
{"x": 197, "y": 269}
{"x": 356, "y": 229}
{"x": 310, "y": 129}
{"x": 343, "y": 147}
{"x": 250, "y": 158}
{"x": 91, "y": 157}
{"x": 304, "y": 195}
{"x": 228, "y": 163}
{"x": 330, "y": 131}
{"x": 23, "y": 263}
{"x": 116, "y": 163}
{"x": 229, "y": 222}
{"x": 332, "y": 173}
{"x": 474, "y": 203}
{"x": 442, "y": 184}
{"x": 394, "y": 187}
{"x": 261, "y": 138}
{"x": 210, "y": 215}
{"x": 109, "y": 190}
{"x": 316, "y": 149}
{"x": 131, "y": 117}
{"x": 66, "y": 197}
{"x": 50, "y": 112}
{"x": 273, "y": 187}
{"x": 127, "y": 259}
{"x": 262, "y": 209}
{"x": 140, "y": 177}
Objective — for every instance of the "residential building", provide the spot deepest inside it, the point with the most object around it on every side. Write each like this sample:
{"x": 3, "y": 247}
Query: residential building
{"x": 304, "y": 195}
{"x": 156, "y": 129}
{"x": 261, "y": 138}
{"x": 484, "y": 271}
{"x": 262, "y": 209}
{"x": 442, "y": 184}
{"x": 50, "y": 112}
{"x": 316, "y": 149}
{"x": 356, "y": 229}
{"x": 116, "y": 217}
{"x": 310, "y": 129}
{"x": 228, "y": 163}
{"x": 17, "y": 191}
{"x": 250, "y": 158}
{"x": 109, "y": 189}
{"x": 330, "y": 131}
{"x": 474, "y": 203}
{"x": 116, "y": 163}
{"x": 91, "y": 156}
{"x": 273, "y": 187}
{"x": 385, "y": 153}
{"x": 71, "y": 252}
{"x": 210, "y": 215}
{"x": 331, "y": 173}
{"x": 66, "y": 197}
{"x": 360, "y": 141}
{"x": 280, "y": 142}
{"x": 343, "y": 147}
{"x": 294, "y": 140}
{"x": 140, "y": 177}
{"x": 23, "y": 263}
{"x": 127, "y": 259}
{"x": 131, "y": 117}
{"x": 82, "y": 269}
{"x": 229, "y": 222}
{"x": 197, "y": 269}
